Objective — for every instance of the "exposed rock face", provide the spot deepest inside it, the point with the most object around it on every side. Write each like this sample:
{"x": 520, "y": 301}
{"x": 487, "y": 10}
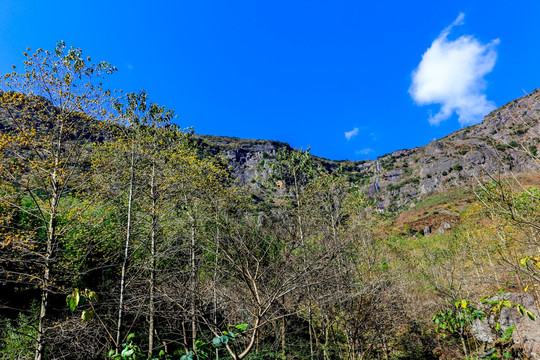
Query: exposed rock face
{"x": 526, "y": 335}
{"x": 500, "y": 144}
{"x": 246, "y": 159}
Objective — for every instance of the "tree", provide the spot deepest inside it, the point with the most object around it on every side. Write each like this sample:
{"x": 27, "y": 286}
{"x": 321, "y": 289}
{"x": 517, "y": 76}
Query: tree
{"x": 50, "y": 116}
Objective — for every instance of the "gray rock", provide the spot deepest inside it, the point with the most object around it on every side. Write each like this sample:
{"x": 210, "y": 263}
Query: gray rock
{"x": 393, "y": 175}
{"x": 444, "y": 226}
{"x": 526, "y": 334}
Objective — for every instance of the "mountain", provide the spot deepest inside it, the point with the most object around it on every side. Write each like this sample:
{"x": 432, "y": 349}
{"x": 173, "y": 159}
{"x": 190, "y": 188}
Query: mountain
{"x": 505, "y": 142}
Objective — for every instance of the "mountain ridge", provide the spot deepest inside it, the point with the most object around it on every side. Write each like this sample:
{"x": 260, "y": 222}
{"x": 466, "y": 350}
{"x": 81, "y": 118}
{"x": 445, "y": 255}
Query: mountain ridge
{"x": 506, "y": 141}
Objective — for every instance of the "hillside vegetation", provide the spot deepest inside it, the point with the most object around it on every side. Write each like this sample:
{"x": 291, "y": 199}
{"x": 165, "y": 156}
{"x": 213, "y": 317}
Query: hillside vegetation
{"x": 124, "y": 237}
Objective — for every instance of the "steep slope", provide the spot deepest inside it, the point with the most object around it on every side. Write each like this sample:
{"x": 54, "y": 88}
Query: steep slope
{"x": 505, "y": 142}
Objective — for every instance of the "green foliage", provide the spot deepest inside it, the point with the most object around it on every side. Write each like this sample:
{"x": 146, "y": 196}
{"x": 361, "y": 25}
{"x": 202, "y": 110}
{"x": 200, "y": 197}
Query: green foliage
{"x": 513, "y": 144}
{"x": 457, "y": 322}
{"x": 131, "y": 351}
{"x": 17, "y": 341}
{"x": 533, "y": 150}
{"x": 78, "y": 298}
{"x": 507, "y": 334}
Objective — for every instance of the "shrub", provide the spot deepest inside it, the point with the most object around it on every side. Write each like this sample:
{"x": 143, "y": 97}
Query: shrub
{"x": 18, "y": 340}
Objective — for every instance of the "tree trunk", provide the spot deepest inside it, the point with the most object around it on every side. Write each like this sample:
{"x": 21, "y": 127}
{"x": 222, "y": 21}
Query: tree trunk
{"x": 126, "y": 252}
{"x": 193, "y": 276}
{"x": 151, "y": 308}
{"x": 304, "y": 260}
{"x": 214, "y": 290}
{"x": 51, "y": 241}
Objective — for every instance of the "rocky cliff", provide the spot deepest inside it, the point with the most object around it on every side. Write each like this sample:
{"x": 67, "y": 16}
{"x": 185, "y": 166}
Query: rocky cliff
{"x": 507, "y": 141}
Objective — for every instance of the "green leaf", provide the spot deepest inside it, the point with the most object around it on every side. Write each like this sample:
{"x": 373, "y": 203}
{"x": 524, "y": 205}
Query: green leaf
{"x": 127, "y": 352}
{"x": 224, "y": 339}
{"x": 87, "y": 315}
{"x": 73, "y": 299}
{"x": 242, "y": 327}
{"x": 520, "y": 309}
{"x": 71, "y": 302}
{"x": 161, "y": 353}
{"x": 530, "y": 315}
{"x": 92, "y": 296}
{"x": 216, "y": 341}
{"x": 130, "y": 337}
{"x": 111, "y": 353}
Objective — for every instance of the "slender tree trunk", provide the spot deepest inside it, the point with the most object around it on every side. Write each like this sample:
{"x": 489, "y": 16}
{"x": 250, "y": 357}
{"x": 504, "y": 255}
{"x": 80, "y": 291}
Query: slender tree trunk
{"x": 193, "y": 276}
{"x": 151, "y": 307}
{"x": 304, "y": 259}
{"x": 126, "y": 252}
{"x": 463, "y": 343}
{"x": 51, "y": 239}
{"x": 283, "y": 332}
{"x": 214, "y": 290}
{"x": 51, "y": 242}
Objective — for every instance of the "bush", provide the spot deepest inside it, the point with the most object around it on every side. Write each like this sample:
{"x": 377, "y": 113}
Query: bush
{"x": 533, "y": 150}
{"x": 18, "y": 340}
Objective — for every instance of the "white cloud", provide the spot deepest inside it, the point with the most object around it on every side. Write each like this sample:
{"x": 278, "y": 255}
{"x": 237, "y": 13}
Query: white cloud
{"x": 364, "y": 151}
{"x": 351, "y": 134}
{"x": 451, "y": 74}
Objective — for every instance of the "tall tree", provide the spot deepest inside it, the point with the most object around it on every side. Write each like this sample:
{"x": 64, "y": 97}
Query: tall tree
{"x": 50, "y": 114}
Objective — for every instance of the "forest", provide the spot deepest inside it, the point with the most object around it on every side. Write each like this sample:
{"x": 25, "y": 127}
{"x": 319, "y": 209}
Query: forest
{"x": 121, "y": 237}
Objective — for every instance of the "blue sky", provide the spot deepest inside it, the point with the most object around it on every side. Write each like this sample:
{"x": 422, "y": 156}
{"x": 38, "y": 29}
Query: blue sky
{"x": 352, "y": 79}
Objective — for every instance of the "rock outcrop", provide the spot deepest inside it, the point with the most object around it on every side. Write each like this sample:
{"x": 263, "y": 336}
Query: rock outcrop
{"x": 526, "y": 335}
{"x": 506, "y": 141}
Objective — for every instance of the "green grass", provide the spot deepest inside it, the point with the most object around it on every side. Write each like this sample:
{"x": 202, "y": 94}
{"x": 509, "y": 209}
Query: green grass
{"x": 443, "y": 198}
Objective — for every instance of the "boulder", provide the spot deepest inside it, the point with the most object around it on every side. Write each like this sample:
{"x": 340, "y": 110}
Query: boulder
{"x": 526, "y": 335}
